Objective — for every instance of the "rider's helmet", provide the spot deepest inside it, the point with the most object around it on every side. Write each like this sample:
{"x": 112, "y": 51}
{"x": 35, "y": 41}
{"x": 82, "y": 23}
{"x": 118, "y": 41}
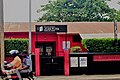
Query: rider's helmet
{"x": 14, "y": 52}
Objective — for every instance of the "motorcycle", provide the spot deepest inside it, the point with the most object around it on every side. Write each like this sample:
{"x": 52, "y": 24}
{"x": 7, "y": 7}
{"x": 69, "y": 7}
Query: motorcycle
{"x": 14, "y": 74}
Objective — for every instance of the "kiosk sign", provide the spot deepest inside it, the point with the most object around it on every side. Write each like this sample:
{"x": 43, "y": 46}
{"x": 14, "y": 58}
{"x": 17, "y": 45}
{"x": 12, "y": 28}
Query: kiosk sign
{"x": 51, "y": 28}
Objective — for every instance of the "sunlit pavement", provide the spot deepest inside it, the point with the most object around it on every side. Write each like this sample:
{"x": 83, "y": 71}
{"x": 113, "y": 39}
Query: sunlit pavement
{"x": 81, "y": 77}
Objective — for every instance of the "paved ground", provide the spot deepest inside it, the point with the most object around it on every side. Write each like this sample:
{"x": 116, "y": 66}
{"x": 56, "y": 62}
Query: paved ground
{"x": 81, "y": 77}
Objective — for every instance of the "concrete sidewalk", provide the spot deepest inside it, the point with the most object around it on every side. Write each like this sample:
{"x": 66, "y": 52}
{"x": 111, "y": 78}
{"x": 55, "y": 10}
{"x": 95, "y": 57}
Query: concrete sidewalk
{"x": 81, "y": 77}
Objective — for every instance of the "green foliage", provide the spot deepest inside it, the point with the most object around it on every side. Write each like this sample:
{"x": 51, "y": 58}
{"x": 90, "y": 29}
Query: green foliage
{"x": 18, "y": 44}
{"x": 101, "y": 45}
{"x": 78, "y": 10}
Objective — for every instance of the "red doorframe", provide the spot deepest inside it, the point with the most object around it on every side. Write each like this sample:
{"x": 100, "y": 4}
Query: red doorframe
{"x": 37, "y": 61}
{"x": 66, "y": 62}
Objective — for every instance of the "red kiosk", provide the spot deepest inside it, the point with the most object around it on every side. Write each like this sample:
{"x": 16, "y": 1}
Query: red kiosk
{"x": 50, "y": 45}
{"x": 46, "y": 49}
{"x": 52, "y": 49}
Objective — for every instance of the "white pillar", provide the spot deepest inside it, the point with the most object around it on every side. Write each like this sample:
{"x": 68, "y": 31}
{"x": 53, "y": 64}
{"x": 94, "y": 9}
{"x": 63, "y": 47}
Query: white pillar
{"x": 29, "y": 26}
{"x": 30, "y": 33}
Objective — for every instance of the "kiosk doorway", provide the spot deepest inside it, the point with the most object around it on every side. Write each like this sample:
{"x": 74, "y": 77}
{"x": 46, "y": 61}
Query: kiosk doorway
{"x": 50, "y": 64}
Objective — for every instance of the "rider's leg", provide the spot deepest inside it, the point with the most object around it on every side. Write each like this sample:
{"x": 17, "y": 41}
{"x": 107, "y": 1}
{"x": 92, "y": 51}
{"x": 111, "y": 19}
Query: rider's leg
{"x": 18, "y": 74}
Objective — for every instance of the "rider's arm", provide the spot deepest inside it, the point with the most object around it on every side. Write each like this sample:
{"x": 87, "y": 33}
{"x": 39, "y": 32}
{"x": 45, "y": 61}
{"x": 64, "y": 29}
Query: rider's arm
{"x": 25, "y": 67}
{"x": 16, "y": 63}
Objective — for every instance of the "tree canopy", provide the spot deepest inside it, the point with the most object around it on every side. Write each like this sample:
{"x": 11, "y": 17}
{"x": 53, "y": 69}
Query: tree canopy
{"x": 78, "y": 10}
